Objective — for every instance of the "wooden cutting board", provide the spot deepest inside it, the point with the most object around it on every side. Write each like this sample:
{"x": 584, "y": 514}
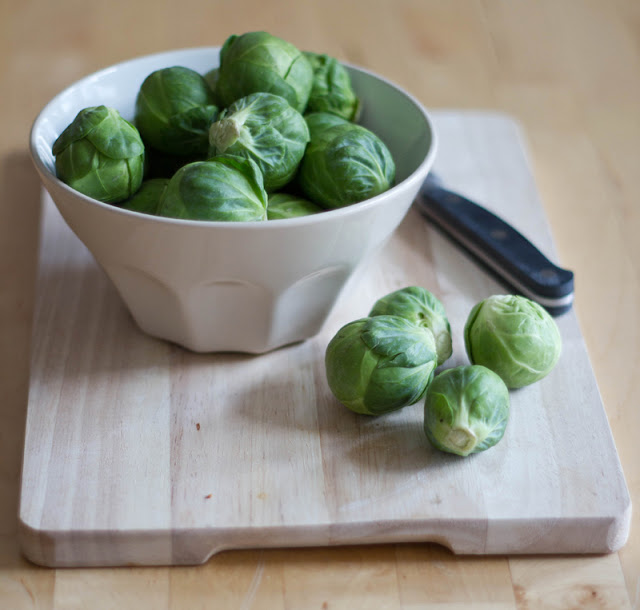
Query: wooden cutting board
{"x": 140, "y": 452}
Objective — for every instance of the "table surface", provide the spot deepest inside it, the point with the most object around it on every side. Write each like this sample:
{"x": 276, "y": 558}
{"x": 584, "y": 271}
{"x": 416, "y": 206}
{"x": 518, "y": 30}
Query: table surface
{"x": 568, "y": 71}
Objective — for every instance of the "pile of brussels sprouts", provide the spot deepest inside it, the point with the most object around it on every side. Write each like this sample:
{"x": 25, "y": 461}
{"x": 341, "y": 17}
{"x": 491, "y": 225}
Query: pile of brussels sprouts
{"x": 388, "y": 360}
{"x": 269, "y": 134}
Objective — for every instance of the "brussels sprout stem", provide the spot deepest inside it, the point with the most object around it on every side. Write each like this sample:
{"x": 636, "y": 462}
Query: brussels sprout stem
{"x": 226, "y": 132}
{"x": 462, "y": 439}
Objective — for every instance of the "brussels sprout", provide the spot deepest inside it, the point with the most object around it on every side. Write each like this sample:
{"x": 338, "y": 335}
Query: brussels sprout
{"x": 319, "y": 121}
{"x": 514, "y": 337}
{"x": 284, "y": 205}
{"x": 223, "y": 188}
{"x": 344, "y": 164}
{"x": 466, "y": 410}
{"x": 331, "y": 90}
{"x": 421, "y": 307}
{"x": 101, "y": 155}
{"x": 174, "y": 110}
{"x": 377, "y": 365}
{"x": 265, "y": 128}
{"x": 211, "y": 77}
{"x": 258, "y": 61}
{"x": 147, "y": 197}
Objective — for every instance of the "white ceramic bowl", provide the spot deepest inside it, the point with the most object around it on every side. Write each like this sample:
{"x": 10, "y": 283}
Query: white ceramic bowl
{"x": 216, "y": 286}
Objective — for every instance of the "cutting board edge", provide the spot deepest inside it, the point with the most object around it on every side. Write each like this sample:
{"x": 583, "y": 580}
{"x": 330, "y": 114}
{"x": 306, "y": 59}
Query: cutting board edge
{"x": 195, "y": 546}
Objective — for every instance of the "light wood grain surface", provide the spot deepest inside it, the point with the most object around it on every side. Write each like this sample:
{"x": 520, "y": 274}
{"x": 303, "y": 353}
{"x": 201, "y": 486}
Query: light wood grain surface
{"x": 569, "y": 71}
{"x": 139, "y": 452}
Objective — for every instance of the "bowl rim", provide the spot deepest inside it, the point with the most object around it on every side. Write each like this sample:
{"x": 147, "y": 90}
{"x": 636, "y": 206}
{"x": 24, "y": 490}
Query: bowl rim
{"x": 326, "y": 215}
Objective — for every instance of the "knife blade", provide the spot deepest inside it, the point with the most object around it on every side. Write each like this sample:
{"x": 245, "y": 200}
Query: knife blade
{"x": 498, "y": 246}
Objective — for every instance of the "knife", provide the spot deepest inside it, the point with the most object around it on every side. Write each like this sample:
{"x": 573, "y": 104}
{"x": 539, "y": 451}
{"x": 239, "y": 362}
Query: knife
{"x": 498, "y": 246}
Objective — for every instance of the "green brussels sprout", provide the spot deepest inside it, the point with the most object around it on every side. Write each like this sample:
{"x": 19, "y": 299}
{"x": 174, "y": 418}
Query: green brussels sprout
{"x": 265, "y": 128}
{"x": 101, "y": 155}
{"x": 343, "y": 164}
{"x": 514, "y": 337}
{"x": 319, "y": 121}
{"x": 223, "y": 188}
{"x": 466, "y": 410}
{"x": 147, "y": 197}
{"x": 377, "y": 365}
{"x": 331, "y": 90}
{"x": 258, "y": 61}
{"x": 284, "y": 205}
{"x": 211, "y": 78}
{"x": 421, "y": 307}
{"x": 174, "y": 110}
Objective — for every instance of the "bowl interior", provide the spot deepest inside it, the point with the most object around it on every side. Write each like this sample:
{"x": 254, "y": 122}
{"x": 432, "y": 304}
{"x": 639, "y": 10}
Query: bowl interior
{"x": 391, "y": 113}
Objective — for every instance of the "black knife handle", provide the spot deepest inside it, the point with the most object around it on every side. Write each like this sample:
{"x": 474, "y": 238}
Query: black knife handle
{"x": 500, "y": 247}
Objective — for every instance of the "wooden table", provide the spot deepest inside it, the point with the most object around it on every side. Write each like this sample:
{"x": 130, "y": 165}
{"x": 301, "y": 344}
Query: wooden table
{"x": 569, "y": 71}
